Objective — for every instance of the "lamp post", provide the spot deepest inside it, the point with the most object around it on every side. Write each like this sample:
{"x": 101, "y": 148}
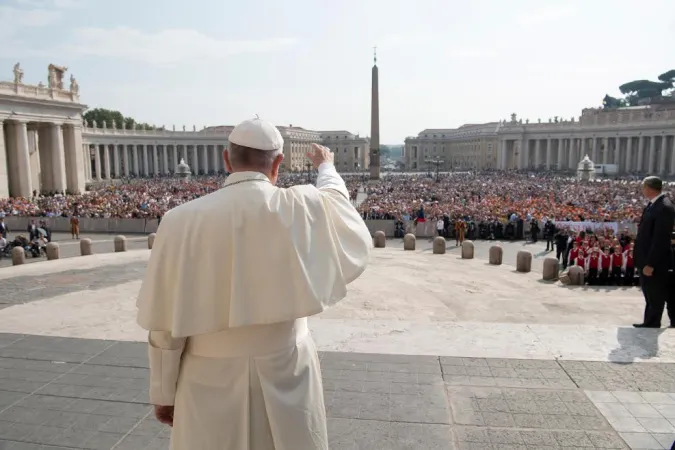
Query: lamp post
{"x": 436, "y": 162}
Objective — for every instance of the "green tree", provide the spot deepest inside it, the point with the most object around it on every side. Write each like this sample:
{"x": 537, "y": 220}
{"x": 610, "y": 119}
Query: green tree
{"x": 644, "y": 88}
{"x": 101, "y": 115}
{"x": 668, "y": 76}
{"x": 610, "y": 102}
{"x": 385, "y": 150}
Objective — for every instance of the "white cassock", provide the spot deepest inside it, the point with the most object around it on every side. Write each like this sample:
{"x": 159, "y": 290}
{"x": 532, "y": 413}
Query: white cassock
{"x": 230, "y": 283}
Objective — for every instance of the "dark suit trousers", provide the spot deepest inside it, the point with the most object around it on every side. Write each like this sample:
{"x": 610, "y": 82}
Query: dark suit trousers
{"x": 657, "y": 295}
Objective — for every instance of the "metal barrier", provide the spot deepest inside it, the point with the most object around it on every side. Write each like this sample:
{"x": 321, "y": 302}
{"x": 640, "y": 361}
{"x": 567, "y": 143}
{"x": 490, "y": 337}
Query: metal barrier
{"x": 19, "y": 224}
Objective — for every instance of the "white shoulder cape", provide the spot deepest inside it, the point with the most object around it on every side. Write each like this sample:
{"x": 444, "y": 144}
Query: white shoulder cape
{"x": 252, "y": 254}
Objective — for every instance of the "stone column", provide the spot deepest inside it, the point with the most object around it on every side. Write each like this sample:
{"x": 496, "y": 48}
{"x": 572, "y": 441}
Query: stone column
{"x": 582, "y": 151}
{"x": 216, "y": 155}
{"x": 165, "y": 158}
{"x": 662, "y": 169}
{"x": 146, "y": 172}
{"x": 97, "y": 161}
{"x": 594, "y": 150}
{"x": 205, "y": 159}
{"x": 651, "y": 168}
{"x": 537, "y": 154}
{"x": 174, "y": 153}
{"x": 572, "y": 155}
{"x": 75, "y": 170}
{"x": 672, "y": 156}
{"x": 83, "y": 150}
{"x": 561, "y": 154}
{"x": 116, "y": 160}
{"x": 125, "y": 159}
{"x": 617, "y": 152}
{"x": 106, "y": 160}
{"x": 549, "y": 154}
{"x": 46, "y": 163}
{"x": 137, "y": 167}
{"x": 605, "y": 153}
{"x": 86, "y": 158}
{"x": 34, "y": 156}
{"x": 629, "y": 155}
{"x": 19, "y": 162}
{"x": 503, "y": 155}
{"x": 155, "y": 160}
{"x": 195, "y": 160}
{"x": 520, "y": 163}
{"x": 4, "y": 173}
{"x": 640, "y": 154}
{"x": 58, "y": 158}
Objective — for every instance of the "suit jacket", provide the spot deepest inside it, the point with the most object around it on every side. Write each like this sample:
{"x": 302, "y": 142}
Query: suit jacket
{"x": 652, "y": 244}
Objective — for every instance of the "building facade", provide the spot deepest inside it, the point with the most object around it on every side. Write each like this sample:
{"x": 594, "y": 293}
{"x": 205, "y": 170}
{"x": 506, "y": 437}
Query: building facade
{"x": 41, "y": 138}
{"x": 633, "y": 140}
{"x": 352, "y": 152}
{"x": 468, "y": 147}
{"x": 45, "y": 146}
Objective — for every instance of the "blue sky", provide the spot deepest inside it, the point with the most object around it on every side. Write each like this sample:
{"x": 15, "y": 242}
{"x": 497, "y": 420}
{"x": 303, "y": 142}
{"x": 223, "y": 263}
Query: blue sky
{"x": 307, "y": 63}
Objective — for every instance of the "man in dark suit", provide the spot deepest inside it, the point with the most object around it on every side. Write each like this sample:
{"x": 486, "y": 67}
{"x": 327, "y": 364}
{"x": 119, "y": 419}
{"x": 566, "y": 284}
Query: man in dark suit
{"x": 653, "y": 254}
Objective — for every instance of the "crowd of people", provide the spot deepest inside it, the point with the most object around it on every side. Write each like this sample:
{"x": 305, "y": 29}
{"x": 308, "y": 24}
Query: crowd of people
{"x": 489, "y": 196}
{"x": 481, "y": 198}
{"x": 483, "y": 205}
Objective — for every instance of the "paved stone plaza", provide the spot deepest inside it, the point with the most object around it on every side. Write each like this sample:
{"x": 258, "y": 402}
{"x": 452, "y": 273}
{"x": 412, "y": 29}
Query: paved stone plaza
{"x": 427, "y": 352}
{"x": 101, "y": 243}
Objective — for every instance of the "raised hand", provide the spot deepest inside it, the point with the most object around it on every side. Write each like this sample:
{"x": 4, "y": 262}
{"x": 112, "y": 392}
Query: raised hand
{"x": 320, "y": 155}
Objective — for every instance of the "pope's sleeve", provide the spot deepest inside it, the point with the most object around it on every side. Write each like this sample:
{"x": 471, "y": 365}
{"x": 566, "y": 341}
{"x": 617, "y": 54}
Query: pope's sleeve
{"x": 352, "y": 237}
{"x": 165, "y": 353}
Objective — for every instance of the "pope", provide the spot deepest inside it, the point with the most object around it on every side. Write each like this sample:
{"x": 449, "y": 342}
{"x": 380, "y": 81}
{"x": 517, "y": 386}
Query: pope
{"x": 232, "y": 278}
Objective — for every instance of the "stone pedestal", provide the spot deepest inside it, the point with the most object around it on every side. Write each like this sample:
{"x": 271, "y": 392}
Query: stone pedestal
{"x": 379, "y": 239}
{"x": 151, "y": 240}
{"x": 439, "y": 245}
{"x": 467, "y": 250}
{"x": 85, "y": 247}
{"x": 120, "y": 244}
{"x": 496, "y": 255}
{"x": 524, "y": 261}
{"x": 576, "y": 275}
{"x": 409, "y": 242}
{"x": 52, "y": 251}
{"x": 551, "y": 269}
{"x": 18, "y": 256}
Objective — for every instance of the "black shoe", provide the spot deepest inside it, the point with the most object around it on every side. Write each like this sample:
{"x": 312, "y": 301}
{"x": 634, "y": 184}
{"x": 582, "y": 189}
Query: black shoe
{"x": 642, "y": 325}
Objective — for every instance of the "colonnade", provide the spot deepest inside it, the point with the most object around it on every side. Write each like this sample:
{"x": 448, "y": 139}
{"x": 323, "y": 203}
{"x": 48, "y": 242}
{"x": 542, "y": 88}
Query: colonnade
{"x": 646, "y": 153}
{"x": 40, "y": 157}
{"x": 110, "y": 161}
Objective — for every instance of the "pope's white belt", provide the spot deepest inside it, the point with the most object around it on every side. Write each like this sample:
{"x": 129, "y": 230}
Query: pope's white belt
{"x": 254, "y": 340}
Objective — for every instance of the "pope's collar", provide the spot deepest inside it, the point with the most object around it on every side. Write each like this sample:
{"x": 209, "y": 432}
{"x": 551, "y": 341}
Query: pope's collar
{"x": 239, "y": 177}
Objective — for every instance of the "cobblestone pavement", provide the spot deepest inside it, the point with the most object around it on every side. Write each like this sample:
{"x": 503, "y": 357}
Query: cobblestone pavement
{"x": 482, "y": 249}
{"x": 101, "y": 243}
{"x": 64, "y": 393}
{"x": 24, "y": 289}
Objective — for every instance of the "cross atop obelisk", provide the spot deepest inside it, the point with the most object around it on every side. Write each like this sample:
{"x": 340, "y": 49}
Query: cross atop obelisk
{"x": 375, "y": 122}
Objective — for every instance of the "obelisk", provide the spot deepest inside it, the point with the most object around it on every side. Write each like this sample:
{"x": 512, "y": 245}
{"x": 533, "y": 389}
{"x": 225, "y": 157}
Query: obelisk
{"x": 375, "y": 123}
